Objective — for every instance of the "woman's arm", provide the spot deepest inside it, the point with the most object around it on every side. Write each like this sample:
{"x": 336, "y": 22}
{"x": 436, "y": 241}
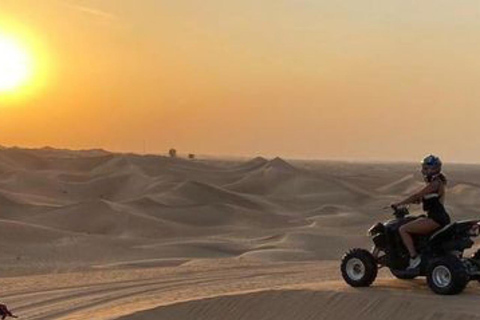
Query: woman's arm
{"x": 432, "y": 187}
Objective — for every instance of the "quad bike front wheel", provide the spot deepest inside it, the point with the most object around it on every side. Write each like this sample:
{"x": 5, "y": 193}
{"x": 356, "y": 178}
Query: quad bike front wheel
{"x": 359, "y": 268}
{"x": 447, "y": 275}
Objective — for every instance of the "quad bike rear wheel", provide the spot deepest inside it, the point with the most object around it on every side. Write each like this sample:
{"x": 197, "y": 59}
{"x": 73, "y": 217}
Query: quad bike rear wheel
{"x": 447, "y": 275}
{"x": 359, "y": 268}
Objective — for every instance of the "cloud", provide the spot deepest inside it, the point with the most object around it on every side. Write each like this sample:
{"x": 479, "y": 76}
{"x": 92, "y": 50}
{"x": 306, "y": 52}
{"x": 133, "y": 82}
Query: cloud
{"x": 94, "y": 12}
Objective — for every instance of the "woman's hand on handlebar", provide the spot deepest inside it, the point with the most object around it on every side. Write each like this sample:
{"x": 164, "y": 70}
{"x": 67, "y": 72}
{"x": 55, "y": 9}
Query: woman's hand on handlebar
{"x": 396, "y": 206}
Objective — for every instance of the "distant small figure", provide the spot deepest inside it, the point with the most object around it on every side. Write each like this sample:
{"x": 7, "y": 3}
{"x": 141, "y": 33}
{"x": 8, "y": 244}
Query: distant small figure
{"x": 173, "y": 153}
{"x": 191, "y": 156}
{"x": 4, "y": 312}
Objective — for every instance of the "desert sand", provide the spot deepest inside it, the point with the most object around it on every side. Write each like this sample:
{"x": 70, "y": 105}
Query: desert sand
{"x": 92, "y": 234}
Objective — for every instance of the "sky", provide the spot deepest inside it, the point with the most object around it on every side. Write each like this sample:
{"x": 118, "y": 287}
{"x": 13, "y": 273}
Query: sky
{"x": 314, "y": 79}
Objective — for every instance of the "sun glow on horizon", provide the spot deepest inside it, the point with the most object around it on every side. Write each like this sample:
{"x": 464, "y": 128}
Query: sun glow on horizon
{"x": 15, "y": 65}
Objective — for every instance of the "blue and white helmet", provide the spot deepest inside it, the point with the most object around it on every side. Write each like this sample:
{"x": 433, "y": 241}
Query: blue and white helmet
{"x": 433, "y": 163}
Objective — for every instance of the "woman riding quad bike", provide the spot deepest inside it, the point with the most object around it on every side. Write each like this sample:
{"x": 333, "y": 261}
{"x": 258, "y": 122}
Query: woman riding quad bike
{"x": 432, "y": 197}
{"x": 428, "y": 246}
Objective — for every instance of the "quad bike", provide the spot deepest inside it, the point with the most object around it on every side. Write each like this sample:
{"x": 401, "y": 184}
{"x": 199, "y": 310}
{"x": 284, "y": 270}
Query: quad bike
{"x": 447, "y": 270}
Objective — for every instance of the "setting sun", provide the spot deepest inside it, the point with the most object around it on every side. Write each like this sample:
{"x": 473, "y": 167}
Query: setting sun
{"x": 15, "y": 65}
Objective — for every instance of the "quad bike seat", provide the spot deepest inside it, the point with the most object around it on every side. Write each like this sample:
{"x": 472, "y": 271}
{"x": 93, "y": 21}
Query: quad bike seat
{"x": 449, "y": 229}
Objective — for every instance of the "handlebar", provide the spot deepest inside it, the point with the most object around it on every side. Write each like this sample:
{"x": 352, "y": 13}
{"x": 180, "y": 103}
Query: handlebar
{"x": 399, "y": 211}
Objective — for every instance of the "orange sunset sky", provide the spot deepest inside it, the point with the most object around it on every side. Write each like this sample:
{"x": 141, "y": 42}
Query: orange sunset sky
{"x": 360, "y": 80}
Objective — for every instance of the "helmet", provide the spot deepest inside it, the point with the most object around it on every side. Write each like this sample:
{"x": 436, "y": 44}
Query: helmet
{"x": 431, "y": 165}
{"x": 432, "y": 161}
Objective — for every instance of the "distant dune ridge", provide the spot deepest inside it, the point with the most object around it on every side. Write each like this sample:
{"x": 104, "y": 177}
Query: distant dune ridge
{"x": 89, "y": 210}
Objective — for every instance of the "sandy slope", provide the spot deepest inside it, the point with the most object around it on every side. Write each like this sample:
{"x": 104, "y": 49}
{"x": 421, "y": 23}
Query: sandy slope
{"x": 320, "y": 303}
{"x": 95, "y": 235}
{"x": 229, "y": 288}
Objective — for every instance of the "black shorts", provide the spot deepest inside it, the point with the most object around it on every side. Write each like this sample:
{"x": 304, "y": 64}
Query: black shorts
{"x": 440, "y": 217}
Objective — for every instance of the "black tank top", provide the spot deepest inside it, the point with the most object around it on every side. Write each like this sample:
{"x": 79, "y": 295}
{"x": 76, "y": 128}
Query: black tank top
{"x": 433, "y": 205}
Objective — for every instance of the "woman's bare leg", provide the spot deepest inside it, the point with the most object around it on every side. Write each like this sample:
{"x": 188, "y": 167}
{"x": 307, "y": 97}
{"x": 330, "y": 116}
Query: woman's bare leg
{"x": 419, "y": 226}
{"x": 407, "y": 241}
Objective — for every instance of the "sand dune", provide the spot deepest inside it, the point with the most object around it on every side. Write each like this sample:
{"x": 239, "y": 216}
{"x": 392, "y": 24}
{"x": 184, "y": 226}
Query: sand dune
{"x": 128, "y": 196}
{"x": 465, "y": 194}
{"x": 195, "y": 192}
{"x": 402, "y": 186}
{"x": 22, "y": 158}
{"x": 22, "y": 233}
{"x": 254, "y": 239}
{"x": 317, "y": 304}
{"x": 103, "y": 218}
